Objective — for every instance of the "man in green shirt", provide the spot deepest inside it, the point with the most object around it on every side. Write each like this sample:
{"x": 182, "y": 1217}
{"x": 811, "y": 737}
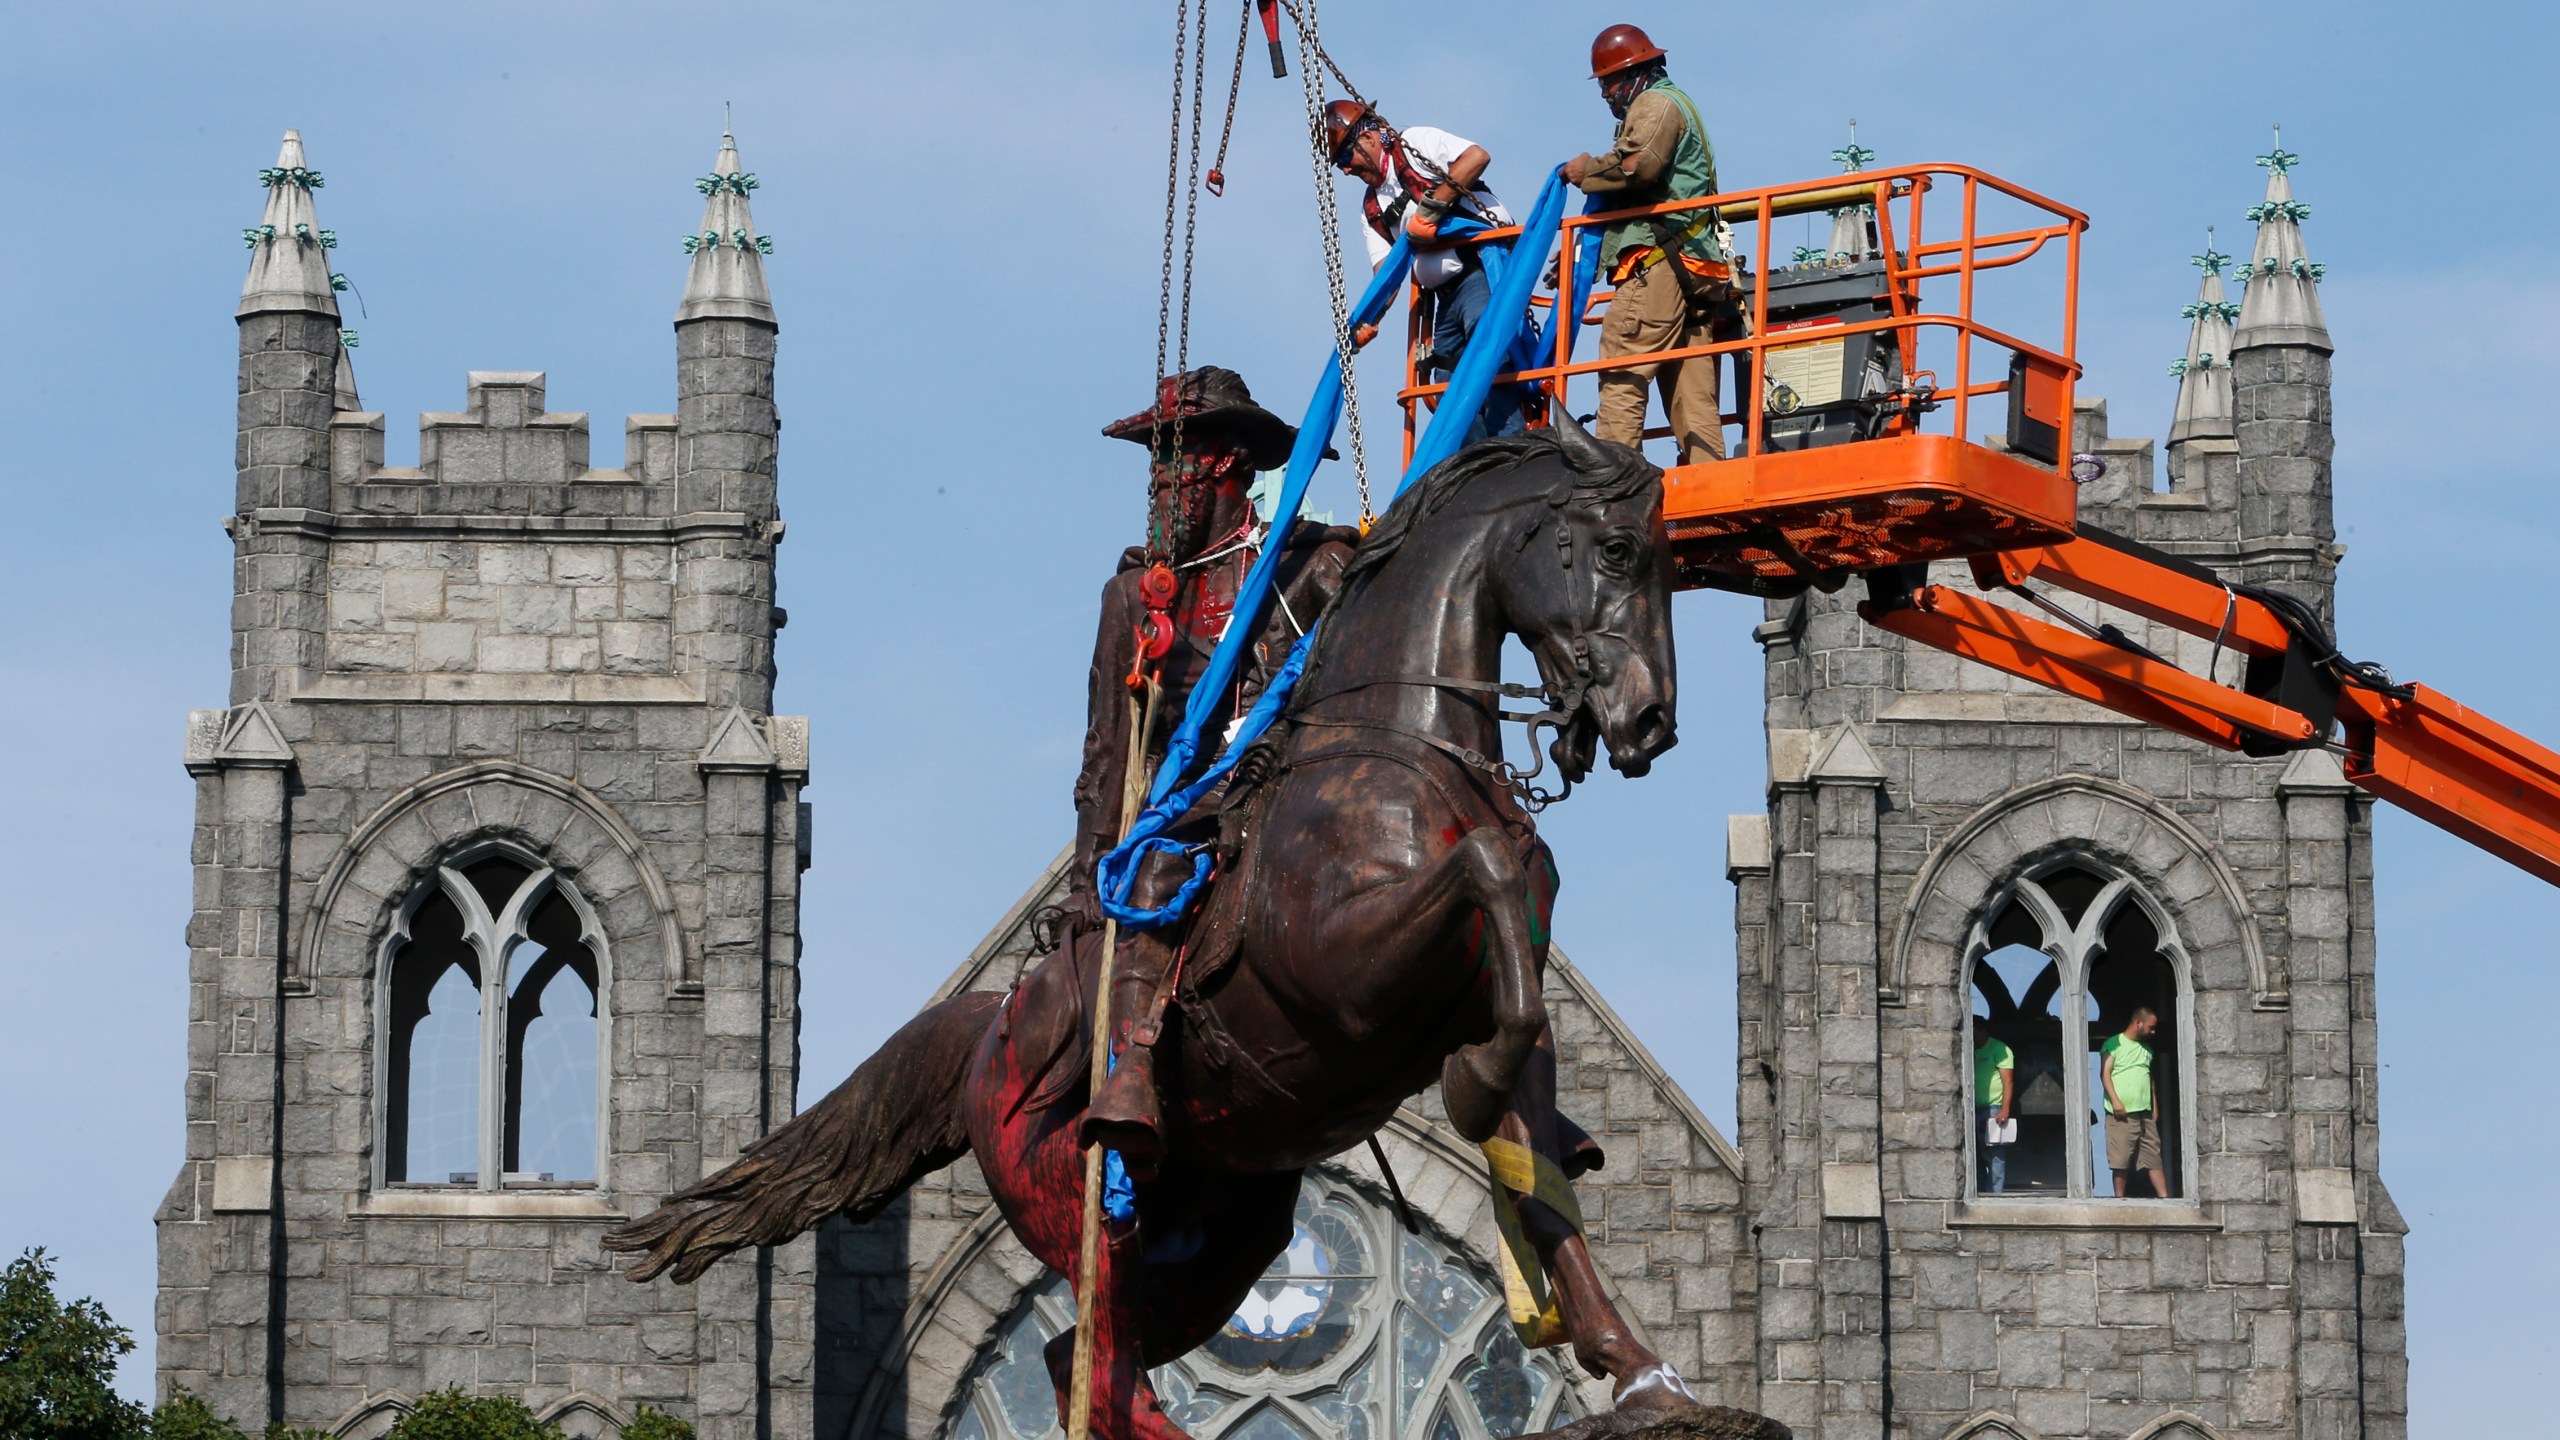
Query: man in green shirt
{"x": 2133, "y": 1127}
{"x": 1670, "y": 272}
{"x": 1995, "y": 1093}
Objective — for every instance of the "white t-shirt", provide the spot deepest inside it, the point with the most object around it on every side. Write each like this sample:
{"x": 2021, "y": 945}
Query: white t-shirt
{"x": 1431, "y": 150}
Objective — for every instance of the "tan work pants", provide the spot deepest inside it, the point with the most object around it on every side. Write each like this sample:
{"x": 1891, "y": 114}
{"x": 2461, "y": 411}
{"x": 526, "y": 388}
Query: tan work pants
{"x": 1651, "y": 314}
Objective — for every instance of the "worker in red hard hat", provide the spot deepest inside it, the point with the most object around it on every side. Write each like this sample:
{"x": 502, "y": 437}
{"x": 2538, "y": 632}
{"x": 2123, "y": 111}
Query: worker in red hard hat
{"x": 1417, "y": 178}
{"x": 1673, "y": 273}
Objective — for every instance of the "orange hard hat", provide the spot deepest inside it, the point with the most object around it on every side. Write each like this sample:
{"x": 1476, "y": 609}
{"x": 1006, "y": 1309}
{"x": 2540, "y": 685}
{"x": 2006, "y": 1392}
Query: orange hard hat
{"x": 1342, "y": 121}
{"x": 1620, "y": 46}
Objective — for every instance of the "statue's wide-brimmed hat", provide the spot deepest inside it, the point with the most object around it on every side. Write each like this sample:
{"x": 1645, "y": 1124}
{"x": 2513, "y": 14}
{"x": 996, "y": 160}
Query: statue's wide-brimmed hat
{"x": 1212, "y": 402}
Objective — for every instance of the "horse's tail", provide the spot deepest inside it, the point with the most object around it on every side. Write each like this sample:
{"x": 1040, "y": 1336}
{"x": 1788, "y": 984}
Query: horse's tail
{"x": 896, "y": 1119}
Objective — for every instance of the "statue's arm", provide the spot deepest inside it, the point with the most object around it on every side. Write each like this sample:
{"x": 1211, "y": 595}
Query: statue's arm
{"x": 1320, "y": 579}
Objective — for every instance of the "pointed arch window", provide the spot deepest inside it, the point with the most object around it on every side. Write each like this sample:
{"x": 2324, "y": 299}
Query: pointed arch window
{"x": 2067, "y": 959}
{"x": 493, "y": 1031}
{"x": 1357, "y": 1332}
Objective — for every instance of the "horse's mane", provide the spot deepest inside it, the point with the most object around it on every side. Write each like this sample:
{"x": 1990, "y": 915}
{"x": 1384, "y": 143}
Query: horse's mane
{"x": 1600, "y": 473}
{"x": 1625, "y": 472}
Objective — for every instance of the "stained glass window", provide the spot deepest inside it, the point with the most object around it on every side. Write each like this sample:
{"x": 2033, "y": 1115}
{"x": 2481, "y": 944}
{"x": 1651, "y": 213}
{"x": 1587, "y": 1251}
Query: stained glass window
{"x": 1353, "y": 1318}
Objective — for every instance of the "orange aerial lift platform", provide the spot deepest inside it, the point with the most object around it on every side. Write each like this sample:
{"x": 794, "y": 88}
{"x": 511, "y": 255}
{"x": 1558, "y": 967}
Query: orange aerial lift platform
{"x": 1844, "y": 356}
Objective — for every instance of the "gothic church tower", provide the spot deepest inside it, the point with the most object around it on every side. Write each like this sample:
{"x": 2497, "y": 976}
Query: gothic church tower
{"x": 1950, "y": 856}
{"x": 497, "y": 857}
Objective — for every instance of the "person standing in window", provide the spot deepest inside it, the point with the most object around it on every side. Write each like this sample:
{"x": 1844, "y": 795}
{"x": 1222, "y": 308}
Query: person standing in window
{"x": 1995, "y": 1074}
{"x": 2133, "y": 1129}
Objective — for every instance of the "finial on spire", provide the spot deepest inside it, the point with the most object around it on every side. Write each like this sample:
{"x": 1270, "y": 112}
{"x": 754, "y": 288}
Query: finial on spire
{"x": 1853, "y": 156}
{"x": 2278, "y": 160}
{"x": 727, "y": 278}
{"x": 288, "y": 251}
{"x": 2212, "y": 260}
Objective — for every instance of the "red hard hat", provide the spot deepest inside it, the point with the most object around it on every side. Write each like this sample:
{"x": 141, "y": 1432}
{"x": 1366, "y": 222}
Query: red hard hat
{"x": 1620, "y": 46}
{"x": 1342, "y": 120}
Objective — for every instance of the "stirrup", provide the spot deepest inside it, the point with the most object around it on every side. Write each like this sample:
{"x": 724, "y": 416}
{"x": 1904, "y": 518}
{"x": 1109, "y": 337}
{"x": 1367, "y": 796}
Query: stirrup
{"x": 1124, "y": 1115}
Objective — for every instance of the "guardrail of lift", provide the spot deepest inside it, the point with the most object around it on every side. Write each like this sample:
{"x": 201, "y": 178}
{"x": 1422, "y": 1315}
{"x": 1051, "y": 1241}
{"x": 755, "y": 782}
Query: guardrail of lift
{"x": 1899, "y": 196}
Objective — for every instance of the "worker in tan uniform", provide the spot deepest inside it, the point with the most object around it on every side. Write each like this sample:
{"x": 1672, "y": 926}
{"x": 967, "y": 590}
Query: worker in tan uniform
{"x": 1672, "y": 272}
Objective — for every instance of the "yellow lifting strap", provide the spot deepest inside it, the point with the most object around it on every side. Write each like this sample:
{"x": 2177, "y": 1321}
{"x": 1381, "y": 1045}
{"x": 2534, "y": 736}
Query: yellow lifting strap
{"x": 1518, "y": 1170}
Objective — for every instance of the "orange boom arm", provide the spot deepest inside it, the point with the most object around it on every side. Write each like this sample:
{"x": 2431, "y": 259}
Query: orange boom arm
{"x": 2422, "y": 751}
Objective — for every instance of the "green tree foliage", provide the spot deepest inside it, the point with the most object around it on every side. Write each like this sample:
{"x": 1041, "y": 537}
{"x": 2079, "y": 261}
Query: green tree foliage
{"x": 655, "y": 1424}
{"x": 453, "y": 1415}
{"x": 186, "y": 1417}
{"x": 58, "y": 1362}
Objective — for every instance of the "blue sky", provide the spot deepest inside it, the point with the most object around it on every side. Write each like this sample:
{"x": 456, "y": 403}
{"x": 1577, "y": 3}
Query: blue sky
{"x": 966, "y": 200}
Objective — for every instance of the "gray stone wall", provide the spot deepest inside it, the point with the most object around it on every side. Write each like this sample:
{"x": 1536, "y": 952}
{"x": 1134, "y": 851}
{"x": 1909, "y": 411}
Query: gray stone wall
{"x": 1907, "y": 788}
{"x": 907, "y": 1301}
{"x": 501, "y": 646}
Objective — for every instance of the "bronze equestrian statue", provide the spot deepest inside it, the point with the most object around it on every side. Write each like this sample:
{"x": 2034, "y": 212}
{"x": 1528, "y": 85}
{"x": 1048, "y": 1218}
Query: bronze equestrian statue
{"x": 1379, "y": 922}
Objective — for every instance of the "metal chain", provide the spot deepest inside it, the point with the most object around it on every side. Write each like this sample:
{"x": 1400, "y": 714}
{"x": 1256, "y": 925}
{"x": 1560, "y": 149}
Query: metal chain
{"x": 1329, "y": 222}
{"x": 1164, "y": 281}
{"x": 1191, "y": 204}
{"x": 1338, "y": 77}
{"x": 1235, "y": 85}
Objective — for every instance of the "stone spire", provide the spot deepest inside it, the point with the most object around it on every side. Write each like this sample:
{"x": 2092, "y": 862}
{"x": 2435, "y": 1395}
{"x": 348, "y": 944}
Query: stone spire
{"x": 2283, "y": 302}
{"x": 288, "y": 251}
{"x": 728, "y": 255}
{"x": 2204, "y": 372}
{"x": 2286, "y": 522}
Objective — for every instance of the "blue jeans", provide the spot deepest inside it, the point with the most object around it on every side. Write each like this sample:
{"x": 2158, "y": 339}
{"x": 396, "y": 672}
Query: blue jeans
{"x": 1458, "y": 306}
{"x": 1992, "y": 1174}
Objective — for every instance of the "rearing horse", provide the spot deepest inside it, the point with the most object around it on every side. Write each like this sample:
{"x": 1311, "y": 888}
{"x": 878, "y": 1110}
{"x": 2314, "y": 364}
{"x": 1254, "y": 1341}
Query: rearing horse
{"x": 1384, "y": 925}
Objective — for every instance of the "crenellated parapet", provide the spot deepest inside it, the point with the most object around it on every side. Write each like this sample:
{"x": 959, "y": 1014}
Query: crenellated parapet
{"x": 502, "y": 453}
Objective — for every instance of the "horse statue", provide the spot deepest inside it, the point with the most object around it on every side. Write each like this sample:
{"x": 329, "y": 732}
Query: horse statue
{"x": 1379, "y": 922}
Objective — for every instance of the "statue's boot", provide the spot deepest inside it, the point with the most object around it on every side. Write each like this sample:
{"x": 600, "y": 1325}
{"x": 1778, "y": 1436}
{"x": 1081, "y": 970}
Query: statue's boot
{"x": 1126, "y": 1115}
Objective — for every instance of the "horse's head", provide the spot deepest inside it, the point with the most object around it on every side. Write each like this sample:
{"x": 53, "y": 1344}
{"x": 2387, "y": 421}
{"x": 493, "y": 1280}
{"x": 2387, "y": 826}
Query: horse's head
{"x": 1583, "y": 576}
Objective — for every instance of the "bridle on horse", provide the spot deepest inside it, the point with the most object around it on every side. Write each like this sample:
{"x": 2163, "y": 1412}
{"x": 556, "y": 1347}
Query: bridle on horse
{"x": 1561, "y": 709}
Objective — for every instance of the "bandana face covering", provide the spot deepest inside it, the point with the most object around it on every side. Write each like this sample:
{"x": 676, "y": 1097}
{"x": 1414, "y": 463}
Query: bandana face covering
{"x": 1183, "y": 492}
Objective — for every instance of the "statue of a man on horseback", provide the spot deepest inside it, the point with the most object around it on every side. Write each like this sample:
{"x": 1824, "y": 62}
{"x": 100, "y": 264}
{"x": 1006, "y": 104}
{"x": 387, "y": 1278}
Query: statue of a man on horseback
{"x": 1378, "y": 920}
{"x": 1162, "y": 614}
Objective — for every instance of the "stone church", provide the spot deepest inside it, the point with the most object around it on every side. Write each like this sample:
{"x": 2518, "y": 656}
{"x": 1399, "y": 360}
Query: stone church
{"x": 495, "y": 941}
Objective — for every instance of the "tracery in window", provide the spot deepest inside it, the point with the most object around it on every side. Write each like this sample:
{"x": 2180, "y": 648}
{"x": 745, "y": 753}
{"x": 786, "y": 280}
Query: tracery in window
{"x": 493, "y": 1029}
{"x": 2075, "y": 973}
{"x": 1358, "y": 1331}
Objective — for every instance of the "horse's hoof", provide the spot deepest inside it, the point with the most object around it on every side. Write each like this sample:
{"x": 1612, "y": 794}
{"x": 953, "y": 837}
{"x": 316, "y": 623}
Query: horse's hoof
{"x": 1655, "y": 1387}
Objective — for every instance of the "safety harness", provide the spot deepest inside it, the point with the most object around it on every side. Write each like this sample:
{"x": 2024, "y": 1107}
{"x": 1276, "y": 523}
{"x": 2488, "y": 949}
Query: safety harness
{"x": 1416, "y": 176}
{"x": 1669, "y": 242}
